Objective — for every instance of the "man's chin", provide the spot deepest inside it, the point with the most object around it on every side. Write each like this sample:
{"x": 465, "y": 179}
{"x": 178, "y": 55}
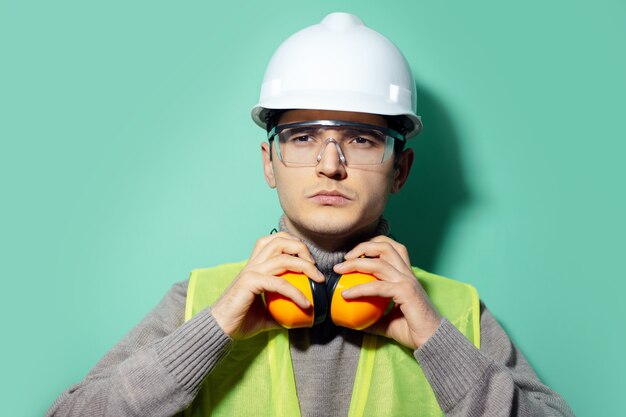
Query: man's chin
{"x": 328, "y": 230}
{"x": 332, "y": 227}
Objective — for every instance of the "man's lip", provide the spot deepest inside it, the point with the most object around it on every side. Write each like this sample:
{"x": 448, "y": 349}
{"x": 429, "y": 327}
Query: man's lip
{"x": 330, "y": 193}
{"x": 330, "y": 198}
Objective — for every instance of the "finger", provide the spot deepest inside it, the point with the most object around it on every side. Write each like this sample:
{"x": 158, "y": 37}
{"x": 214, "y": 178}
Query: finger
{"x": 371, "y": 289}
{"x": 280, "y": 245}
{"x": 283, "y": 263}
{"x": 380, "y": 248}
{"x": 269, "y": 283}
{"x": 378, "y": 267}
{"x": 407, "y": 297}
{"x": 399, "y": 247}
{"x": 265, "y": 240}
{"x": 383, "y": 250}
{"x": 378, "y": 252}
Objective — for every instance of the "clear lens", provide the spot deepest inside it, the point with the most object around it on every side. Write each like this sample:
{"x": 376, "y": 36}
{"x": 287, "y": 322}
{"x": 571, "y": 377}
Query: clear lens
{"x": 304, "y": 143}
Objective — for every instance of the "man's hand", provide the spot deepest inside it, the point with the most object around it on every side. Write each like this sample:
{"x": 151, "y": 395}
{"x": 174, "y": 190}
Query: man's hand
{"x": 413, "y": 320}
{"x": 240, "y": 311}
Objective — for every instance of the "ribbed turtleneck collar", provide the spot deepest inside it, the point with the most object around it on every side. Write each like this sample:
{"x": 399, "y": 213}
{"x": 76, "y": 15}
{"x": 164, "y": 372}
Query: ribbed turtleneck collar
{"x": 325, "y": 261}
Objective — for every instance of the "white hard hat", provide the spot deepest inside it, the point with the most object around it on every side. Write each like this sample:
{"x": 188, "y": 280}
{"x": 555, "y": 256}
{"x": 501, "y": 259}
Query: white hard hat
{"x": 339, "y": 64}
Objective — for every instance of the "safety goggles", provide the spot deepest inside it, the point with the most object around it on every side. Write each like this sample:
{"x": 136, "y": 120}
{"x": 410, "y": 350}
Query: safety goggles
{"x": 304, "y": 143}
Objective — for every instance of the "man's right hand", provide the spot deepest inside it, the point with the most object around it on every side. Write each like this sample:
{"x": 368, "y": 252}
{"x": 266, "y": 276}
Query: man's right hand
{"x": 240, "y": 311}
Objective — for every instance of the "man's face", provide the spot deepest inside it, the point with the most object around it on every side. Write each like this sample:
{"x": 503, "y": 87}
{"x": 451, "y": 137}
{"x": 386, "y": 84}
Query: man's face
{"x": 332, "y": 199}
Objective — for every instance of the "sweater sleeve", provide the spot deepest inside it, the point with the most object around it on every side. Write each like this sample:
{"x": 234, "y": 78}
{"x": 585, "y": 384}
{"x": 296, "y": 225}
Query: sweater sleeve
{"x": 496, "y": 380}
{"x": 155, "y": 370}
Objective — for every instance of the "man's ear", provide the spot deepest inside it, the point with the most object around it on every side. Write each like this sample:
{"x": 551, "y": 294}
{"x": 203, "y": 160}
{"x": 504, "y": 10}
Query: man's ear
{"x": 402, "y": 169}
{"x": 268, "y": 169}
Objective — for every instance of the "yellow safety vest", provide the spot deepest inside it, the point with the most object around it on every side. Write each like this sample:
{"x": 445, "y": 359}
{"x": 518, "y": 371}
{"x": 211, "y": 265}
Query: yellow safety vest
{"x": 256, "y": 377}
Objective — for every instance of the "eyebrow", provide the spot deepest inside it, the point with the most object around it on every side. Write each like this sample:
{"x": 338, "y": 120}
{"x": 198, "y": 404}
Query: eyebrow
{"x": 302, "y": 129}
{"x": 353, "y": 130}
{"x": 373, "y": 134}
{"x": 346, "y": 131}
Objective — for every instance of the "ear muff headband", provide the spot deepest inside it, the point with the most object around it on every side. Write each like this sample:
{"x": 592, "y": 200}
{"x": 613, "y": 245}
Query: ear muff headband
{"x": 320, "y": 301}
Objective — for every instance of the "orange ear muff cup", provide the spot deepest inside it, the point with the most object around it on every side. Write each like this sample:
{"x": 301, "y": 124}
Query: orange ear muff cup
{"x": 287, "y": 313}
{"x": 359, "y": 313}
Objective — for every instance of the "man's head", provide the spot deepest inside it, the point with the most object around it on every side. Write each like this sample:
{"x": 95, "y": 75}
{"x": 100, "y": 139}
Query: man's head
{"x": 333, "y": 198}
{"x": 337, "y": 77}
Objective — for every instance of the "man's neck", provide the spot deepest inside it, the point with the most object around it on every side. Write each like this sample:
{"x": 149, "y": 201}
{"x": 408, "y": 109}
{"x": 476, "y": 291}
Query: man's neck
{"x": 333, "y": 242}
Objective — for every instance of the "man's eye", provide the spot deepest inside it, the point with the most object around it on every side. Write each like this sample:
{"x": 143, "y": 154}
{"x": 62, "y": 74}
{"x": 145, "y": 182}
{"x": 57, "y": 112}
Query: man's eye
{"x": 302, "y": 138}
{"x": 362, "y": 141}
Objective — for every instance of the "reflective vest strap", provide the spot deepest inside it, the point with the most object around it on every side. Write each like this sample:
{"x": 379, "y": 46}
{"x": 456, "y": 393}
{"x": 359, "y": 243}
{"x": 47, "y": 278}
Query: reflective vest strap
{"x": 457, "y": 301}
{"x": 363, "y": 377}
{"x": 256, "y": 377}
{"x": 206, "y": 286}
{"x": 283, "y": 383}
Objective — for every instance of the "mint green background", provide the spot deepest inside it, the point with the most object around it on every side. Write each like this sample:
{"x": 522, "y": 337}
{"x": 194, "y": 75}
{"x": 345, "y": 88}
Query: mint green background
{"x": 128, "y": 158}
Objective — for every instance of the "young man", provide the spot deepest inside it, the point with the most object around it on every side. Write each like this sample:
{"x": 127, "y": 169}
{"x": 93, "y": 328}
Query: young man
{"x": 337, "y": 129}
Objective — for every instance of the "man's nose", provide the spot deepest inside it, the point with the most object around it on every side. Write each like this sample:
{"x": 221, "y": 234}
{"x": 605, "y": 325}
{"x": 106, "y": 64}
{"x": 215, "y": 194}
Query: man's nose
{"x": 331, "y": 161}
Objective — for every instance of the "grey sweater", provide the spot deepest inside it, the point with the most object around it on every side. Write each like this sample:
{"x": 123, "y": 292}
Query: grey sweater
{"x": 158, "y": 367}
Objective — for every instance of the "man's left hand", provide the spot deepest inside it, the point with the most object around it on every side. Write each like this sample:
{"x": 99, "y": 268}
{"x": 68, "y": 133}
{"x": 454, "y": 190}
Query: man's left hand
{"x": 414, "y": 319}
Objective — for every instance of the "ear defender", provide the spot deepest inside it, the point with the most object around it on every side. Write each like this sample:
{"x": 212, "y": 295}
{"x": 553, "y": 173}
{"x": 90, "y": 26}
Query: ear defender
{"x": 286, "y": 312}
{"x": 356, "y": 314}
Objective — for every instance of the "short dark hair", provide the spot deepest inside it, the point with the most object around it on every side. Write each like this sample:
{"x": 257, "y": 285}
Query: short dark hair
{"x": 271, "y": 118}
{"x": 398, "y": 123}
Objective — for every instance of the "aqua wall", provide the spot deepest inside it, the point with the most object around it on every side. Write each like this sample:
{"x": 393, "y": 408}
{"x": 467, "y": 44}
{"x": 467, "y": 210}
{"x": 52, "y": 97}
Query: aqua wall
{"x": 128, "y": 157}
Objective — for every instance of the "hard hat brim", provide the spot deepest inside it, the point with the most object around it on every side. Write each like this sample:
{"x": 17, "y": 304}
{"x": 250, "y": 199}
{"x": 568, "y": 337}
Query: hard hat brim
{"x": 336, "y": 101}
